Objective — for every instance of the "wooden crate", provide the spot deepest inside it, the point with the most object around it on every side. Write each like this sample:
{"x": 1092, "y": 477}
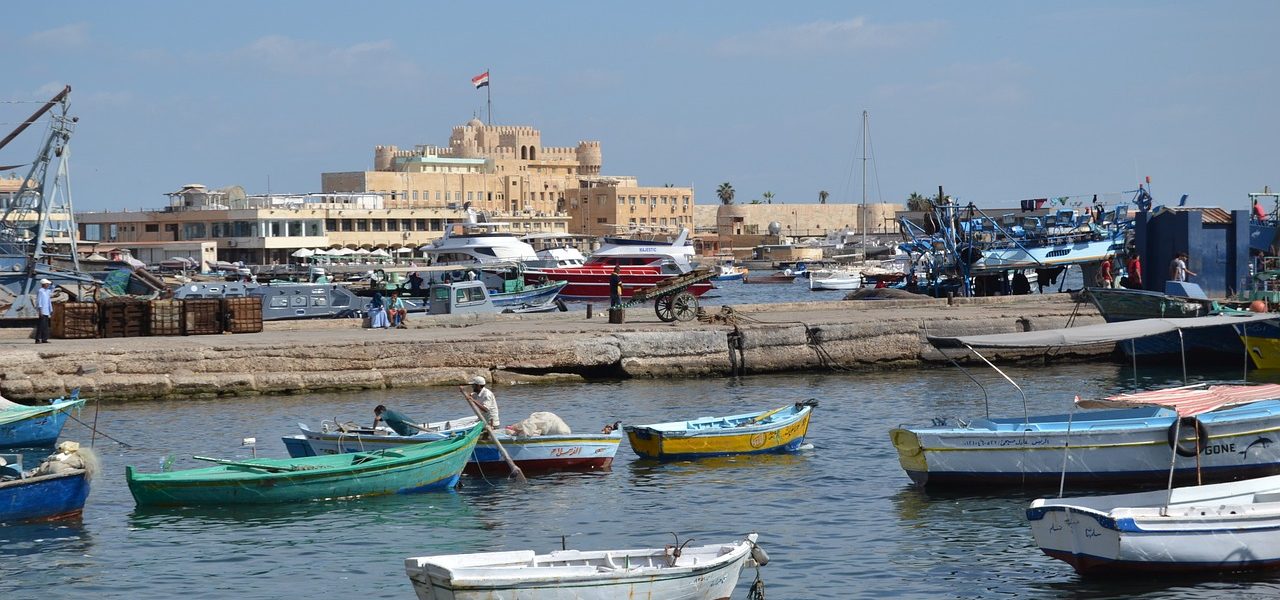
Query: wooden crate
{"x": 74, "y": 320}
{"x": 243, "y": 315}
{"x": 122, "y": 317}
{"x": 201, "y": 316}
{"x": 164, "y": 317}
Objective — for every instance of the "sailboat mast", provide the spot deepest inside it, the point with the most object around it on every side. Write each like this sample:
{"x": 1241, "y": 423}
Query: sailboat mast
{"x": 863, "y": 216}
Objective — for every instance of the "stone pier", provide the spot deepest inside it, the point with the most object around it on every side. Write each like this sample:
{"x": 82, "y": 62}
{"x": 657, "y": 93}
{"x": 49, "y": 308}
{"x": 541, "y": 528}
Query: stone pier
{"x": 307, "y": 356}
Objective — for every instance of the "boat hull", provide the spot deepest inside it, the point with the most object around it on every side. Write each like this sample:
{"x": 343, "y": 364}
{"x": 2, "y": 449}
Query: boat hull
{"x": 664, "y": 443}
{"x": 1121, "y": 447}
{"x": 44, "y": 497}
{"x": 1065, "y": 252}
{"x": 532, "y": 295}
{"x": 1210, "y": 533}
{"x": 418, "y": 469}
{"x": 541, "y": 454}
{"x": 1209, "y": 343}
{"x": 39, "y": 428}
{"x": 630, "y": 574}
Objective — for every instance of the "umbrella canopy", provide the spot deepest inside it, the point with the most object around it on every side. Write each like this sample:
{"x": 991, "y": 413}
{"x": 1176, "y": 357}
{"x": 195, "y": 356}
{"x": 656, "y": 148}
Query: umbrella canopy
{"x": 380, "y": 252}
{"x": 404, "y": 250}
{"x": 1191, "y": 400}
{"x": 361, "y": 252}
{"x": 340, "y": 252}
{"x": 302, "y": 253}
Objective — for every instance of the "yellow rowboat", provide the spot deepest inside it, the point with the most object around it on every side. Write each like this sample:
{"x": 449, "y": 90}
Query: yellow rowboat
{"x": 778, "y": 430}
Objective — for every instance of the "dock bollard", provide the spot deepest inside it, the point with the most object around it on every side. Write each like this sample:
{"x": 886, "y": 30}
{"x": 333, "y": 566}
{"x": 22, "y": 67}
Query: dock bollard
{"x": 617, "y": 315}
{"x": 588, "y": 311}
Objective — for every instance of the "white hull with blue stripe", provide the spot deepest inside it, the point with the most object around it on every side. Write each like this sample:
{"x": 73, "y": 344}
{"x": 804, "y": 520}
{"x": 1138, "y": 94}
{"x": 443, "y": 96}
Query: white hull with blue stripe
{"x": 1122, "y": 446}
{"x": 1065, "y": 252}
{"x": 1209, "y": 528}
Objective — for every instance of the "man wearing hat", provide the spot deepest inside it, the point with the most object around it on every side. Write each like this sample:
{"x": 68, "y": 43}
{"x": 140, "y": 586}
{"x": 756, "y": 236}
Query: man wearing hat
{"x": 482, "y": 398}
{"x": 44, "y": 305}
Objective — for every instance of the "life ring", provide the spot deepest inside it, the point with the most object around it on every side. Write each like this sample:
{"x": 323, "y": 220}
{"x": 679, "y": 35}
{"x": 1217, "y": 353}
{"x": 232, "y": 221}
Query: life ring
{"x": 1202, "y": 436}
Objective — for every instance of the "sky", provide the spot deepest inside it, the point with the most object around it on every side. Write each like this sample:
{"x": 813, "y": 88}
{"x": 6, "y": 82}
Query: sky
{"x": 995, "y": 101}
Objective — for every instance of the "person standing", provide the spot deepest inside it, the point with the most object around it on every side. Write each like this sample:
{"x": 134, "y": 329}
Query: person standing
{"x": 1105, "y": 274}
{"x": 483, "y": 400}
{"x": 1134, "y": 272}
{"x": 1178, "y": 270}
{"x": 44, "y": 306}
{"x": 615, "y": 287}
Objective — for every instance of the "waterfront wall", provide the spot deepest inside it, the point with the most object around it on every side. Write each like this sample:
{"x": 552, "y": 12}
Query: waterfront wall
{"x": 336, "y": 355}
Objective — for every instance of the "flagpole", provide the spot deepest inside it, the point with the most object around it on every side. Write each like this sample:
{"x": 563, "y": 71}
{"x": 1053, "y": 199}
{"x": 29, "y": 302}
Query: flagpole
{"x": 488, "y": 93}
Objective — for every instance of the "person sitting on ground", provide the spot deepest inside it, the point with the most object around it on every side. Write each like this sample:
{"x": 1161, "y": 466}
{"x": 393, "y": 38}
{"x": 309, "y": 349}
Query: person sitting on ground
{"x": 396, "y": 421}
{"x": 482, "y": 399}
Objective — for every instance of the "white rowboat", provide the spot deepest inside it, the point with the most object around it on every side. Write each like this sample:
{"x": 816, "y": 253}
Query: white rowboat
{"x": 698, "y": 573}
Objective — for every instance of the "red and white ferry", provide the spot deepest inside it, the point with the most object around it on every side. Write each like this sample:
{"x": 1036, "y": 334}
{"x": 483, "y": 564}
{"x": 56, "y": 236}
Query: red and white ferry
{"x": 642, "y": 264}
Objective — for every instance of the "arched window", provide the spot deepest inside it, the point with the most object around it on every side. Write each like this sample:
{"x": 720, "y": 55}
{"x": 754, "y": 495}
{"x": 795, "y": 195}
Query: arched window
{"x": 524, "y": 152}
{"x": 532, "y": 151}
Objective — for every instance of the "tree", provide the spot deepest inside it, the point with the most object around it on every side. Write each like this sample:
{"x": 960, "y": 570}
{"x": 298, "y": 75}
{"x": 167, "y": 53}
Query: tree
{"x": 822, "y": 196}
{"x": 725, "y": 193}
{"x": 916, "y": 202}
{"x": 767, "y": 197}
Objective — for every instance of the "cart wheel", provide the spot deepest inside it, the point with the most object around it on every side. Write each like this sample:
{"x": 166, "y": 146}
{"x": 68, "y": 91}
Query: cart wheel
{"x": 665, "y": 307}
{"x": 685, "y": 306}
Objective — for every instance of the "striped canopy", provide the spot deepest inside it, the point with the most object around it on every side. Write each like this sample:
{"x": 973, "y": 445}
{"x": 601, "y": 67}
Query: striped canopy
{"x": 1189, "y": 401}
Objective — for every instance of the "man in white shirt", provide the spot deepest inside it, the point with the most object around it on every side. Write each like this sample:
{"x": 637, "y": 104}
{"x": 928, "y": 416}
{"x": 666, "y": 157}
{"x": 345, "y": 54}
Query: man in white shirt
{"x": 44, "y": 306}
{"x": 482, "y": 398}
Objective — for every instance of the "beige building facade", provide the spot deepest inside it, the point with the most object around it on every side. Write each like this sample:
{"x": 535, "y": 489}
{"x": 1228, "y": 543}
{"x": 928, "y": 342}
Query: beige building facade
{"x": 268, "y": 229}
{"x": 747, "y": 225}
{"x": 500, "y": 169}
{"x": 613, "y": 206}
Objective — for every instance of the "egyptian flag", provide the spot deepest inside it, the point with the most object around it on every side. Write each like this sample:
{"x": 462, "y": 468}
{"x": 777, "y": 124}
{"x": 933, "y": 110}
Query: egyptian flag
{"x": 481, "y": 80}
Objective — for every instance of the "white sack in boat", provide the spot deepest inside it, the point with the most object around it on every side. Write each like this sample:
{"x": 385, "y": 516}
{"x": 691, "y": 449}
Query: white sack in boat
{"x": 540, "y": 423}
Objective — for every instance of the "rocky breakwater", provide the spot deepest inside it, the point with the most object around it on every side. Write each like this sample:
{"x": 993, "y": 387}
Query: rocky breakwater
{"x": 337, "y": 355}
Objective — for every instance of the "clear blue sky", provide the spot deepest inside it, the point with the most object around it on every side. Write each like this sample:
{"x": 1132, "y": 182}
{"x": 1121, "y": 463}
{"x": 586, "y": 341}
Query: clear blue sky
{"x": 995, "y": 101}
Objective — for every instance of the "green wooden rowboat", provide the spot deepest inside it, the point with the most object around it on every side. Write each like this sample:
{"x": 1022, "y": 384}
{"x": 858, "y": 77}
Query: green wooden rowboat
{"x": 423, "y": 467}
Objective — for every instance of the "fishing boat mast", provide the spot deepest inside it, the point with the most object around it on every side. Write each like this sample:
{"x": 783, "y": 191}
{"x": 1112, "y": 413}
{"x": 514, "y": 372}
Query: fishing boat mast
{"x": 863, "y": 216}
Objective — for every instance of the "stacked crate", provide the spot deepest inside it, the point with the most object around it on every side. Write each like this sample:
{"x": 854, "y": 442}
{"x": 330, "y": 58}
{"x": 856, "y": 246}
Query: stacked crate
{"x": 74, "y": 320}
{"x": 202, "y": 316}
{"x": 243, "y": 315}
{"x": 122, "y": 317}
{"x": 165, "y": 317}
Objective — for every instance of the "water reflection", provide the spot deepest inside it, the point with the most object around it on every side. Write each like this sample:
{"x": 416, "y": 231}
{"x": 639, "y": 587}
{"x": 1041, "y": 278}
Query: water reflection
{"x": 64, "y": 536}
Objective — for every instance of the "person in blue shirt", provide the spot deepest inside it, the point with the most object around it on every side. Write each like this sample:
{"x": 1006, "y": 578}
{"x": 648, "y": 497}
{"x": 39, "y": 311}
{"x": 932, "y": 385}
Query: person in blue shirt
{"x": 44, "y": 306}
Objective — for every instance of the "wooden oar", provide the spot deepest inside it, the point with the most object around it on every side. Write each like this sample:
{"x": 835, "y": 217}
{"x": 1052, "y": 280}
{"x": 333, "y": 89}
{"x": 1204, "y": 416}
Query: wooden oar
{"x": 235, "y": 463}
{"x": 769, "y": 414}
{"x": 507, "y": 457}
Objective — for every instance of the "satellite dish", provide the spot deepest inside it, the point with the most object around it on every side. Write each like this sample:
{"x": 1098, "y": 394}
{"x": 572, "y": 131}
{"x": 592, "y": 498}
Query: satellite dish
{"x": 775, "y": 228}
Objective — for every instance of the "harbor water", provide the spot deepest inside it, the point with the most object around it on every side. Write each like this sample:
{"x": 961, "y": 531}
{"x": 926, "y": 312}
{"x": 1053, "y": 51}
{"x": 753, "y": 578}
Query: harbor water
{"x": 840, "y": 520}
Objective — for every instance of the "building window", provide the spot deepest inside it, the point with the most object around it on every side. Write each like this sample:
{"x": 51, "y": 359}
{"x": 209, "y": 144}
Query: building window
{"x": 622, "y": 200}
{"x": 686, "y": 200}
{"x": 346, "y": 225}
{"x": 362, "y": 225}
{"x": 295, "y": 229}
{"x": 602, "y": 220}
{"x": 377, "y": 224}
{"x": 469, "y": 196}
{"x": 420, "y": 224}
{"x": 393, "y": 225}
{"x": 331, "y": 224}
{"x": 437, "y": 194}
{"x": 92, "y": 232}
{"x": 190, "y": 231}
{"x": 415, "y": 194}
{"x": 406, "y": 224}
{"x": 664, "y": 199}
{"x": 152, "y": 227}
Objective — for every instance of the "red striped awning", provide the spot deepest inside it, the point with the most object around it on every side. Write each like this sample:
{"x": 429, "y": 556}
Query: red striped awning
{"x": 1189, "y": 401}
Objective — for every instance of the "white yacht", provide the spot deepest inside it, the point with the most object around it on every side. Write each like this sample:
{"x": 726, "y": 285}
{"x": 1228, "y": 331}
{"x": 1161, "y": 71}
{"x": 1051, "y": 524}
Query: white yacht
{"x": 479, "y": 243}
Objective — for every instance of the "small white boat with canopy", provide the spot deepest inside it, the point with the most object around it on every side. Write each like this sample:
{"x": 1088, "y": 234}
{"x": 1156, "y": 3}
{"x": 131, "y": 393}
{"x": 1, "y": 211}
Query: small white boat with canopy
{"x": 678, "y": 572}
{"x": 1223, "y": 527}
{"x": 1113, "y": 446}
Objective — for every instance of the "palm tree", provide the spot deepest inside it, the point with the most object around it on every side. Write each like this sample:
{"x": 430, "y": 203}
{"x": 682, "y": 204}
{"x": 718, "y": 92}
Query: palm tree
{"x": 768, "y": 197}
{"x": 916, "y": 202}
{"x": 822, "y": 196}
{"x": 725, "y": 193}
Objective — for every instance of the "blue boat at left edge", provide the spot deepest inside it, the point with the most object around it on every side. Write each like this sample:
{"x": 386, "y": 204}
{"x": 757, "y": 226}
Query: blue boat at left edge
{"x": 35, "y": 426}
{"x": 32, "y": 496}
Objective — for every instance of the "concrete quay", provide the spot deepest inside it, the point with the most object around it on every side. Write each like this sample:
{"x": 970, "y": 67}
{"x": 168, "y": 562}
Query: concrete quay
{"x": 307, "y": 356}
